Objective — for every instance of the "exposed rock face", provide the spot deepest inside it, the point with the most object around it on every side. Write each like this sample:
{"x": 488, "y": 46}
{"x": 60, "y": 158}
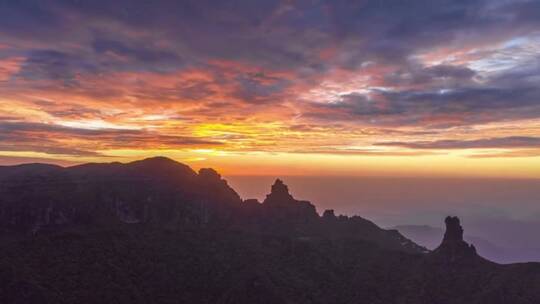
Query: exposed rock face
{"x": 454, "y": 231}
{"x": 279, "y": 195}
{"x": 209, "y": 174}
{"x": 215, "y": 188}
{"x": 156, "y": 190}
{"x": 280, "y": 203}
{"x": 453, "y": 248}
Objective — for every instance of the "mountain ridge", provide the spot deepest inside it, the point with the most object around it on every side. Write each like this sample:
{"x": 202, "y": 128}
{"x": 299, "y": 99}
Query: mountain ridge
{"x": 156, "y": 231}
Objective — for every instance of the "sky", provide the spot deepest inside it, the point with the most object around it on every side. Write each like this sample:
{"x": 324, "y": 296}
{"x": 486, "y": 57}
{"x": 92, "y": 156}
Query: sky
{"x": 304, "y": 88}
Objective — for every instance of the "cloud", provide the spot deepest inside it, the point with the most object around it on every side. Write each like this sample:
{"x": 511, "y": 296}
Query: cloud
{"x": 429, "y": 66}
{"x": 12, "y": 130}
{"x": 273, "y": 34}
{"x": 15, "y": 160}
{"x": 48, "y": 64}
{"x": 485, "y": 143}
{"x": 48, "y": 147}
{"x": 56, "y": 139}
{"x": 139, "y": 52}
{"x": 508, "y": 154}
{"x": 260, "y": 88}
{"x": 9, "y": 66}
{"x": 437, "y": 75}
{"x": 362, "y": 152}
{"x": 435, "y": 108}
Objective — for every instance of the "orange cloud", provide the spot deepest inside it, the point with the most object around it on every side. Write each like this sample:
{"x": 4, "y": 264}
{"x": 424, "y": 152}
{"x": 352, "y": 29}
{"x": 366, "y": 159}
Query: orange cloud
{"x": 9, "y": 67}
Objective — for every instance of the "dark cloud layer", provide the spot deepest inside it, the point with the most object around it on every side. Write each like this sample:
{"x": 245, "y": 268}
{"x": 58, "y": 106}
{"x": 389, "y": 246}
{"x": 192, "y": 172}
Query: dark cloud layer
{"x": 456, "y": 106}
{"x": 274, "y": 34}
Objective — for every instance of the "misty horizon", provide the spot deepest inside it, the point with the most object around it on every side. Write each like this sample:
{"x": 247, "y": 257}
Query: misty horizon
{"x": 502, "y": 211}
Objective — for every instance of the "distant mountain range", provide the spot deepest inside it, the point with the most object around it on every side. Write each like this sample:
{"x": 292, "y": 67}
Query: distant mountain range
{"x": 155, "y": 231}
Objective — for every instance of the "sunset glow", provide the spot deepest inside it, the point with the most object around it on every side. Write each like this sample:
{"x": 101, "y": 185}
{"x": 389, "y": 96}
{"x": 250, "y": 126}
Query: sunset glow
{"x": 273, "y": 88}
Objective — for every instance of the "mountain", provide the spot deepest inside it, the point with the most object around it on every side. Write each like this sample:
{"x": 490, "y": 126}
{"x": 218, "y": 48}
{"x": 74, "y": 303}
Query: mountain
{"x": 155, "y": 231}
{"x": 160, "y": 192}
{"x": 153, "y": 191}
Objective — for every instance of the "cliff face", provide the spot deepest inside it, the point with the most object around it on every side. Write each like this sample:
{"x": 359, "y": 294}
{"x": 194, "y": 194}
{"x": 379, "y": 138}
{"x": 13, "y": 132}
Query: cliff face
{"x": 454, "y": 231}
{"x": 161, "y": 192}
{"x": 280, "y": 203}
{"x": 34, "y": 198}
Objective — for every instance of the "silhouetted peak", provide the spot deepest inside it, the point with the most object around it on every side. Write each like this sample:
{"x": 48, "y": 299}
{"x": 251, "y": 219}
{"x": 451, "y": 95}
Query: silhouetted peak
{"x": 209, "y": 174}
{"x": 284, "y": 205}
{"x": 453, "y": 247}
{"x": 279, "y": 194}
{"x": 279, "y": 188}
{"x": 161, "y": 165}
{"x": 454, "y": 231}
{"x": 158, "y": 162}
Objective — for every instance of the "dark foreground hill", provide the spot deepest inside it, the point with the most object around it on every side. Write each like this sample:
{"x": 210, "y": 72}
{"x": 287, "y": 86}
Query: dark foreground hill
{"x": 155, "y": 231}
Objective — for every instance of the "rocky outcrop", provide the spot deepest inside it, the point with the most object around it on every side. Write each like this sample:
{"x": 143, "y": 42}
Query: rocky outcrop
{"x": 280, "y": 203}
{"x": 453, "y": 248}
{"x": 279, "y": 195}
{"x": 454, "y": 231}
